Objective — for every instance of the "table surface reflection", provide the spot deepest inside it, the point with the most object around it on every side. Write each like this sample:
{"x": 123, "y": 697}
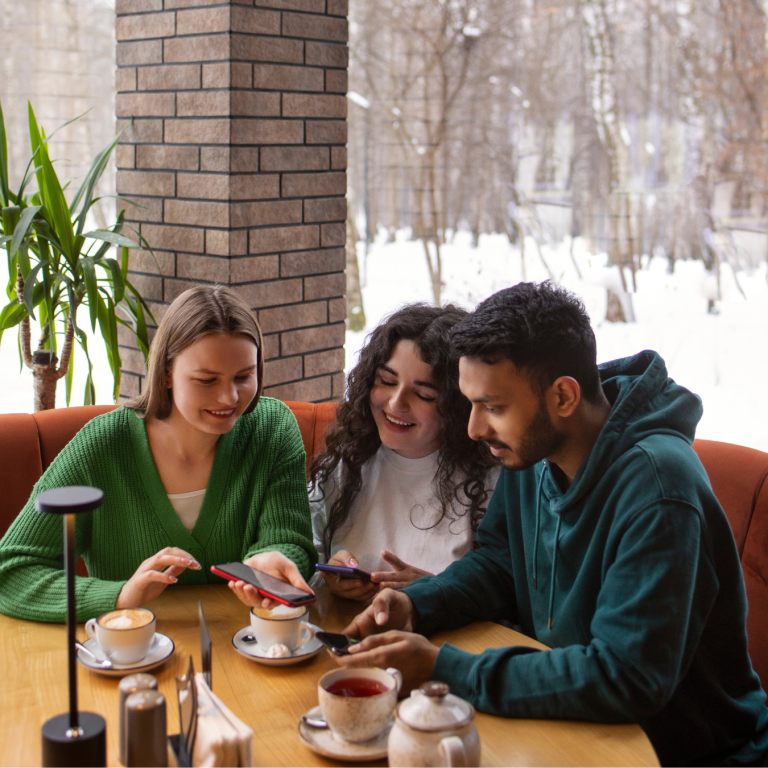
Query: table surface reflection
{"x": 269, "y": 699}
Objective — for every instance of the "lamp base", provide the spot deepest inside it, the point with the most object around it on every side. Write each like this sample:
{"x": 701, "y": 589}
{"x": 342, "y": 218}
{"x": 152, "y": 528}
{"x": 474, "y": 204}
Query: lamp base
{"x": 62, "y": 748}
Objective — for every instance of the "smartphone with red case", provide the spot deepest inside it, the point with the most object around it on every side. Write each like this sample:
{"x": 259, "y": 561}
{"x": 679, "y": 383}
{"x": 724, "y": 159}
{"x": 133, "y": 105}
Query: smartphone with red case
{"x": 265, "y": 585}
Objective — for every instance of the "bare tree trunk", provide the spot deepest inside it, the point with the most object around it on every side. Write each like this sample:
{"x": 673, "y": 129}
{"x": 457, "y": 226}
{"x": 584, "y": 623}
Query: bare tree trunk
{"x": 355, "y": 310}
{"x": 435, "y": 270}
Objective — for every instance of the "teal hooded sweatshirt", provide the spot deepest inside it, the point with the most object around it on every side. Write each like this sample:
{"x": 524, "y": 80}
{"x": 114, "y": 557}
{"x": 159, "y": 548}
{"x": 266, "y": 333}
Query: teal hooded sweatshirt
{"x": 631, "y": 577}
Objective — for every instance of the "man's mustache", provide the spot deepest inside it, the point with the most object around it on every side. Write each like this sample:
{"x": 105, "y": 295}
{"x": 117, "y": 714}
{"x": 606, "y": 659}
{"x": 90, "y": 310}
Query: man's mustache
{"x": 496, "y": 444}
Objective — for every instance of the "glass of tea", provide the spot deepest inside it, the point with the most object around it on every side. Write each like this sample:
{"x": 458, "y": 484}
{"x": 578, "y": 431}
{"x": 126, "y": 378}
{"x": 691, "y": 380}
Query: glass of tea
{"x": 358, "y": 702}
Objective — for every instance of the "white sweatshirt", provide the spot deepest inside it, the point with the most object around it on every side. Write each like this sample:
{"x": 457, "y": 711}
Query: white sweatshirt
{"x": 396, "y": 510}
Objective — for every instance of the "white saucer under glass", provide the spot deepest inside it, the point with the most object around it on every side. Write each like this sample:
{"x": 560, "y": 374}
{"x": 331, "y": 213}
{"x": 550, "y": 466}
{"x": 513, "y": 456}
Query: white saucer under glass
{"x": 253, "y": 652}
{"x": 160, "y": 650}
{"x": 325, "y": 742}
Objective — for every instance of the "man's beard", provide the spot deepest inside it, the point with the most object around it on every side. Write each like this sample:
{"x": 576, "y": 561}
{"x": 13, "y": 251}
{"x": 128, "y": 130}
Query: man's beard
{"x": 540, "y": 440}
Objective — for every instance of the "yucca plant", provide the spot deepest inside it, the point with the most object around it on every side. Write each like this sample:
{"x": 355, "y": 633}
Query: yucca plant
{"x": 55, "y": 267}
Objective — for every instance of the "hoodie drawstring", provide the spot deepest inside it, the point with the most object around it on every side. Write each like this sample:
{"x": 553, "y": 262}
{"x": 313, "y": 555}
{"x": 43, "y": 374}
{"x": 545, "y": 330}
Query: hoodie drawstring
{"x": 536, "y": 548}
{"x": 554, "y": 573}
{"x": 536, "y": 534}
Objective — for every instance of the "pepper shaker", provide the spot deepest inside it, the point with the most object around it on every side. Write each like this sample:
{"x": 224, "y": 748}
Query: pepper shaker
{"x": 129, "y": 685}
{"x": 146, "y": 729}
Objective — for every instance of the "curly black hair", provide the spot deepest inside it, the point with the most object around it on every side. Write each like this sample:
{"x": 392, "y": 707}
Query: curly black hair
{"x": 354, "y": 437}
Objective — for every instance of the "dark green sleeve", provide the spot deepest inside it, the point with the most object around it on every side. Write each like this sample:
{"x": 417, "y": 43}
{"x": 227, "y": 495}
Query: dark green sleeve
{"x": 32, "y": 582}
{"x": 649, "y": 615}
{"x": 284, "y": 522}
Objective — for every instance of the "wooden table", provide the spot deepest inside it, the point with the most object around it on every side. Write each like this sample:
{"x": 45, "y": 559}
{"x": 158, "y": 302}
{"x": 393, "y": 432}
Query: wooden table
{"x": 269, "y": 699}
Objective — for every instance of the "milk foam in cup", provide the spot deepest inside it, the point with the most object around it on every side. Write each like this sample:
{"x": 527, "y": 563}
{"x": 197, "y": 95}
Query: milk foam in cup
{"x": 282, "y": 625}
{"x": 123, "y": 634}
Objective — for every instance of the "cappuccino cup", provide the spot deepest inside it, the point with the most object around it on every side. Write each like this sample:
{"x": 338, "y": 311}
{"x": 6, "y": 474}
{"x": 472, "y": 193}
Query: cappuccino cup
{"x": 283, "y": 624}
{"x": 124, "y": 634}
{"x": 358, "y": 702}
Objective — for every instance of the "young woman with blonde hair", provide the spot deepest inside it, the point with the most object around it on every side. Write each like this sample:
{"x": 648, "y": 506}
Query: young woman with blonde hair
{"x": 199, "y": 469}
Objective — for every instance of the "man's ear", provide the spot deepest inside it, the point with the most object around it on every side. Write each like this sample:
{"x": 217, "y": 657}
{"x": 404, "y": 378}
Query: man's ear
{"x": 566, "y": 396}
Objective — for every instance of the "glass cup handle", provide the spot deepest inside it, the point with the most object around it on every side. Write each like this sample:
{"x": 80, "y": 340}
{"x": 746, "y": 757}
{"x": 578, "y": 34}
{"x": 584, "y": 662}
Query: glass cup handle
{"x": 398, "y": 677}
{"x": 306, "y": 633}
{"x": 90, "y": 629}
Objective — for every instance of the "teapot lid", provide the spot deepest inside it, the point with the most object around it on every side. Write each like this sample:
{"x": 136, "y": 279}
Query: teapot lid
{"x": 434, "y": 708}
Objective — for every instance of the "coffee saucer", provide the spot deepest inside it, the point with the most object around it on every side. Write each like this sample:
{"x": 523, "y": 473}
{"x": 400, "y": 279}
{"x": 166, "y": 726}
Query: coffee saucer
{"x": 160, "y": 649}
{"x": 254, "y": 653}
{"x": 325, "y": 743}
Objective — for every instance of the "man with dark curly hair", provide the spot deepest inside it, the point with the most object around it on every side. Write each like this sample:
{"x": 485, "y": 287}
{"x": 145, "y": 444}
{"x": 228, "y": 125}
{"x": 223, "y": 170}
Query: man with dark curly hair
{"x": 603, "y": 540}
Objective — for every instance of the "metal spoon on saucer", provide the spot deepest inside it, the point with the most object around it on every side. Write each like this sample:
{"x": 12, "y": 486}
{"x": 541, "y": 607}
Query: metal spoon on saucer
{"x": 314, "y": 722}
{"x": 103, "y": 663}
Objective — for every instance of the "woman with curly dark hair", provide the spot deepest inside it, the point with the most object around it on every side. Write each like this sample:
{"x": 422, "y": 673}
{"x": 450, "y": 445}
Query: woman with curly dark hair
{"x": 400, "y": 487}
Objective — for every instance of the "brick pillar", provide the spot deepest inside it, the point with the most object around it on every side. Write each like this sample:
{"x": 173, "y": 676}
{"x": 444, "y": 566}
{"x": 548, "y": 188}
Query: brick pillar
{"x": 237, "y": 154}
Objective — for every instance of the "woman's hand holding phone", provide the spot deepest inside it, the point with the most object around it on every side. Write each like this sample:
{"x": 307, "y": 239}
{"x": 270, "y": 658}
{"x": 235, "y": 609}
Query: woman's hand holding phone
{"x": 350, "y": 588}
{"x": 402, "y": 575}
{"x": 275, "y": 564}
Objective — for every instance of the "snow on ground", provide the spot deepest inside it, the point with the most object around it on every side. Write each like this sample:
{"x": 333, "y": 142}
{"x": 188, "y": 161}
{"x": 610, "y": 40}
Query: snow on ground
{"x": 720, "y": 357}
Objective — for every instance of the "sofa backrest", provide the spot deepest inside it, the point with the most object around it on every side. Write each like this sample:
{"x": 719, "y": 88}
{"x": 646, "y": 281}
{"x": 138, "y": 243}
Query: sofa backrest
{"x": 30, "y": 442}
{"x": 738, "y": 476}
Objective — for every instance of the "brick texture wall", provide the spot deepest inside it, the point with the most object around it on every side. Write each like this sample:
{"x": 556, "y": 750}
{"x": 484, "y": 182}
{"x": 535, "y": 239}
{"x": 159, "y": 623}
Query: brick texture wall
{"x": 237, "y": 155}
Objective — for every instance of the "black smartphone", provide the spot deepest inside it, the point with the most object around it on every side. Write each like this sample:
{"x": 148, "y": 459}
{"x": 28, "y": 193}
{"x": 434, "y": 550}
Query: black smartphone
{"x": 338, "y": 644}
{"x": 265, "y": 584}
{"x": 345, "y": 571}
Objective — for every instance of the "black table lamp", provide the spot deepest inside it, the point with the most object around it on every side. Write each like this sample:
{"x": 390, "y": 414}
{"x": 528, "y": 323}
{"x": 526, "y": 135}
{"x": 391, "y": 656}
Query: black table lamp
{"x": 74, "y": 738}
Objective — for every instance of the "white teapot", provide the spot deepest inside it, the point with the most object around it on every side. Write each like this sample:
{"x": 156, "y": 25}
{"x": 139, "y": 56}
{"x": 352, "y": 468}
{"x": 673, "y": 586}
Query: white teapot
{"x": 434, "y": 728}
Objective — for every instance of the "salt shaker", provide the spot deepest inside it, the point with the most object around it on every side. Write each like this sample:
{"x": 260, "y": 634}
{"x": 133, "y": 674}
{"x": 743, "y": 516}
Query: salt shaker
{"x": 129, "y": 685}
{"x": 145, "y": 729}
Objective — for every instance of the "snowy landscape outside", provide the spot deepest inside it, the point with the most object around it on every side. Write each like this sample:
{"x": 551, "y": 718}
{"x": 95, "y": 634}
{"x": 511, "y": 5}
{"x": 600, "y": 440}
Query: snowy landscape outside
{"x": 721, "y": 357}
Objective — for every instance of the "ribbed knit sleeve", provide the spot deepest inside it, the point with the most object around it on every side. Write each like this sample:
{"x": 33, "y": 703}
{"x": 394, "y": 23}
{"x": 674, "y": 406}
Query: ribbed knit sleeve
{"x": 32, "y": 582}
{"x": 283, "y": 521}
{"x": 256, "y": 501}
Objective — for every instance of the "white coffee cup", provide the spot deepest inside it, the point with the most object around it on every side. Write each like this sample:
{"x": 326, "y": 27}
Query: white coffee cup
{"x": 124, "y": 634}
{"x": 282, "y": 625}
{"x": 358, "y": 702}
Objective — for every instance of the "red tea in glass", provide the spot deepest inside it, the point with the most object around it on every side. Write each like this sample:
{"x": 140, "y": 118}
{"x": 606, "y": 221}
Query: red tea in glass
{"x": 356, "y": 687}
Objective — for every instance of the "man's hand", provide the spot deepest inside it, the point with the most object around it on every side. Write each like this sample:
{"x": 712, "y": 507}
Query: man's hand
{"x": 412, "y": 654}
{"x": 154, "y": 575}
{"x": 275, "y": 564}
{"x": 401, "y": 577}
{"x": 389, "y": 610}
{"x": 343, "y": 586}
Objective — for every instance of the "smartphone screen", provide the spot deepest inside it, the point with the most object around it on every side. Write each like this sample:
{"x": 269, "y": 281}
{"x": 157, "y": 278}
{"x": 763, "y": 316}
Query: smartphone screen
{"x": 267, "y": 585}
{"x": 344, "y": 571}
{"x": 335, "y": 643}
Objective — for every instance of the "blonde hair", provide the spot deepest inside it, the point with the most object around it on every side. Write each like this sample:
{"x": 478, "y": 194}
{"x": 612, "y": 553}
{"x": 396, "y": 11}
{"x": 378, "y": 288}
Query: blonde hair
{"x": 200, "y": 311}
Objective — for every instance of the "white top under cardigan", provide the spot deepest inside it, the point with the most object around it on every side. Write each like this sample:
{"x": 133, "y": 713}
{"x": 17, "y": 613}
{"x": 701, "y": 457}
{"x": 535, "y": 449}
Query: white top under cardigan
{"x": 396, "y": 510}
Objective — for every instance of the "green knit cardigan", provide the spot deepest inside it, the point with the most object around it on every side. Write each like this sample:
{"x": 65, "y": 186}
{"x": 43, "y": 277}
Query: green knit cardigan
{"x": 256, "y": 501}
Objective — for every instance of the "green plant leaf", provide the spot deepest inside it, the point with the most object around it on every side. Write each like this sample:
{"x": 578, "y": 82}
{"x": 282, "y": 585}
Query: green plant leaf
{"x": 33, "y": 290}
{"x": 118, "y": 283}
{"x": 70, "y": 370}
{"x": 51, "y": 192}
{"x": 11, "y": 315}
{"x": 91, "y": 288}
{"x": 112, "y": 237}
{"x": 23, "y": 226}
{"x": 5, "y": 238}
{"x": 4, "y": 190}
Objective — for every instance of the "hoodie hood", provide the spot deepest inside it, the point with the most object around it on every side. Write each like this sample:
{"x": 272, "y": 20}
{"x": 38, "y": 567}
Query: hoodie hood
{"x": 644, "y": 402}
